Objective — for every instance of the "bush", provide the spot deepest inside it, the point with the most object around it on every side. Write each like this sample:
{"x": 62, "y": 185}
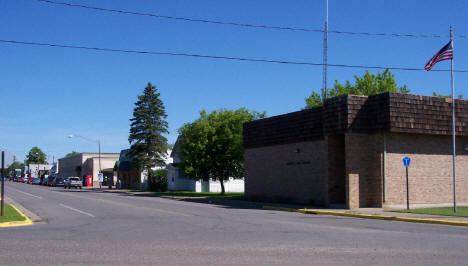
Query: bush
{"x": 253, "y": 198}
{"x": 157, "y": 180}
{"x": 277, "y": 199}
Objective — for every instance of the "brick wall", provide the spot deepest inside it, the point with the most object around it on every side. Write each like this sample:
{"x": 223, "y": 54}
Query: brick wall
{"x": 363, "y": 169}
{"x": 336, "y": 169}
{"x": 281, "y": 173}
{"x": 67, "y": 165}
{"x": 430, "y": 172}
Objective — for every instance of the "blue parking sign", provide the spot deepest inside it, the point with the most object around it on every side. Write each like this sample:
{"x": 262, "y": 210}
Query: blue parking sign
{"x": 406, "y": 161}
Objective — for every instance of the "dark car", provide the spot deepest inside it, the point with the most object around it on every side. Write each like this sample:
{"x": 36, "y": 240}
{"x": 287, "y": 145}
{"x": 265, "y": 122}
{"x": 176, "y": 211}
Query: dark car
{"x": 72, "y": 182}
{"x": 58, "y": 182}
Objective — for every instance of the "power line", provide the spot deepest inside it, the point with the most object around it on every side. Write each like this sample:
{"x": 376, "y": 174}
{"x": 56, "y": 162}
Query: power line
{"x": 258, "y": 60}
{"x": 238, "y": 24}
{"x": 181, "y": 18}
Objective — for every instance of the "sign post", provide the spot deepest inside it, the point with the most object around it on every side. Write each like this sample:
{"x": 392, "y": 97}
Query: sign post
{"x": 3, "y": 181}
{"x": 100, "y": 177}
{"x": 406, "y": 163}
{"x": 6, "y": 162}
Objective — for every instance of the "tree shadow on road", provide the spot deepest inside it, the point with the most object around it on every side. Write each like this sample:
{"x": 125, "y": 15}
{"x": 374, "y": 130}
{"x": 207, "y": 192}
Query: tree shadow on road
{"x": 234, "y": 202}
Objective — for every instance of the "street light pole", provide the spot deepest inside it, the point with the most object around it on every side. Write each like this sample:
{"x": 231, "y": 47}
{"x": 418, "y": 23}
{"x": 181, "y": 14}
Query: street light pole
{"x": 99, "y": 149}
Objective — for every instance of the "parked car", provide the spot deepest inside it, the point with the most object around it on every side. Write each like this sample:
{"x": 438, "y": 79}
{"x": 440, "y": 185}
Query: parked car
{"x": 49, "y": 181}
{"x": 44, "y": 181}
{"x": 72, "y": 182}
{"x": 20, "y": 179}
{"x": 36, "y": 181}
{"x": 58, "y": 182}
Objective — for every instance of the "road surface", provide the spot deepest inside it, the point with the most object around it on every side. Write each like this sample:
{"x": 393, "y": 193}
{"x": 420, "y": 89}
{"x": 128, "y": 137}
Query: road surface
{"x": 92, "y": 227}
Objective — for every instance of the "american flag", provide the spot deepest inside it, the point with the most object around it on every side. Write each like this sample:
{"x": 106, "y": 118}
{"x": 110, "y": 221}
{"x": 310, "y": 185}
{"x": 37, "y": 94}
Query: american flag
{"x": 445, "y": 53}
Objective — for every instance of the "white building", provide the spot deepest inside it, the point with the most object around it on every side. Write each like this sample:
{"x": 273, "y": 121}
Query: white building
{"x": 35, "y": 170}
{"x": 178, "y": 181}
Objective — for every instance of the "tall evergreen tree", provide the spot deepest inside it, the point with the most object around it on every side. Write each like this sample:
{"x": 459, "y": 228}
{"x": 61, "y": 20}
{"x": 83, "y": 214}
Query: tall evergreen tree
{"x": 148, "y": 145}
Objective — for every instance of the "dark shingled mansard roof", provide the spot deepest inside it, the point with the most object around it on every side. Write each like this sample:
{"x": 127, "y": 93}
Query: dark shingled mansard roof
{"x": 385, "y": 112}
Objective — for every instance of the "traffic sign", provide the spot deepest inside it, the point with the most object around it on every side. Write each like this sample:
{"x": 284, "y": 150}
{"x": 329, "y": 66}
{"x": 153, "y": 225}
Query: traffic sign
{"x": 406, "y": 161}
{"x": 100, "y": 177}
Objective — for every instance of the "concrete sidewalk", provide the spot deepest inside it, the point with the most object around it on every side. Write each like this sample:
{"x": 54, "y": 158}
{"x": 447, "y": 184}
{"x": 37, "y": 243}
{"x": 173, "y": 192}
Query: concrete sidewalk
{"x": 380, "y": 214}
{"x": 380, "y": 211}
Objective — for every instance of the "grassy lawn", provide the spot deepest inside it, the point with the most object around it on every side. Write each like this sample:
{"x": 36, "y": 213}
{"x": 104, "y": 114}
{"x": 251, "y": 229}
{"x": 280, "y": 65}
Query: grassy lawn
{"x": 208, "y": 195}
{"x": 446, "y": 211}
{"x": 10, "y": 215}
{"x": 211, "y": 195}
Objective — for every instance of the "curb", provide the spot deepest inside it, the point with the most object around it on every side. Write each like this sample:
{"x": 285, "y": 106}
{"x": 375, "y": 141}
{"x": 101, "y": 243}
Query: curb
{"x": 369, "y": 216}
{"x": 26, "y": 222}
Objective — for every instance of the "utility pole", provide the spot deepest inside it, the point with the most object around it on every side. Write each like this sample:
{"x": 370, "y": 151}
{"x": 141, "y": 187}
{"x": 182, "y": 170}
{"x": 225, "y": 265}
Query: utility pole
{"x": 325, "y": 56}
{"x": 100, "y": 170}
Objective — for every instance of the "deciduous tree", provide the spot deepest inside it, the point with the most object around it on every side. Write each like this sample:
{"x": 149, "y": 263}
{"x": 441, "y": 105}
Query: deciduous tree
{"x": 211, "y": 146}
{"x": 70, "y": 154}
{"x": 36, "y": 156}
{"x": 369, "y": 84}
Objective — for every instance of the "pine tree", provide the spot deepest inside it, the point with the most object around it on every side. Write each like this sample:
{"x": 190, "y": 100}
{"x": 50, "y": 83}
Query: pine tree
{"x": 148, "y": 145}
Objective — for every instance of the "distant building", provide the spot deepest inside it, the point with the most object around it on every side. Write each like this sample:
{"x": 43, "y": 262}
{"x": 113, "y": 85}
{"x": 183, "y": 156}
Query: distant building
{"x": 178, "y": 181}
{"x": 37, "y": 170}
{"x": 87, "y": 164}
{"x": 349, "y": 152}
{"x": 129, "y": 175}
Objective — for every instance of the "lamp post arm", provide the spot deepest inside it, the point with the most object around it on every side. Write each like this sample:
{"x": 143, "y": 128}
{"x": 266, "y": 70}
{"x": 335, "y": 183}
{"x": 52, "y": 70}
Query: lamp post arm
{"x": 88, "y": 139}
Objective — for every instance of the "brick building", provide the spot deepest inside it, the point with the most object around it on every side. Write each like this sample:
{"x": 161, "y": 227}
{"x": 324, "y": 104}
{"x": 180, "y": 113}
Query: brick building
{"x": 84, "y": 164}
{"x": 349, "y": 152}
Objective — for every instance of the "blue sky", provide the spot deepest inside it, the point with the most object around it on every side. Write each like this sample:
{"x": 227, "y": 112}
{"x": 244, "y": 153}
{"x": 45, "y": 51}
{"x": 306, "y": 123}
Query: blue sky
{"x": 49, "y": 93}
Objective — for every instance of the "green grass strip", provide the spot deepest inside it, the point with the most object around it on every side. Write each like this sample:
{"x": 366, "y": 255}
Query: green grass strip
{"x": 11, "y": 215}
{"x": 462, "y": 211}
{"x": 217, "y": 195}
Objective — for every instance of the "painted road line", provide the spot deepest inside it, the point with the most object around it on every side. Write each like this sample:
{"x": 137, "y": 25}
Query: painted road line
{"x": 73, "y": 209}
{"x": 26, "y": 193}
{"x": 130, "y": 205}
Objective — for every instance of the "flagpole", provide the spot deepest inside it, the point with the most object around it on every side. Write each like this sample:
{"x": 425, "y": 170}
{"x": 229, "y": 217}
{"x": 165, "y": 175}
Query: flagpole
{"x": 453, "y": 130}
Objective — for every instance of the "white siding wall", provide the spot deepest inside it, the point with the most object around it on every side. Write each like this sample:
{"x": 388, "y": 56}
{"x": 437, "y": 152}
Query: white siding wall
{"x": 177, "y": 181}
{"x": 233, "y": 185}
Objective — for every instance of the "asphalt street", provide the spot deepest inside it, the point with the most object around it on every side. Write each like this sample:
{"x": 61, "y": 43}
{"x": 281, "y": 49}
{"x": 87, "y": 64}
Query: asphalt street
{"x": 97, "y": 228}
